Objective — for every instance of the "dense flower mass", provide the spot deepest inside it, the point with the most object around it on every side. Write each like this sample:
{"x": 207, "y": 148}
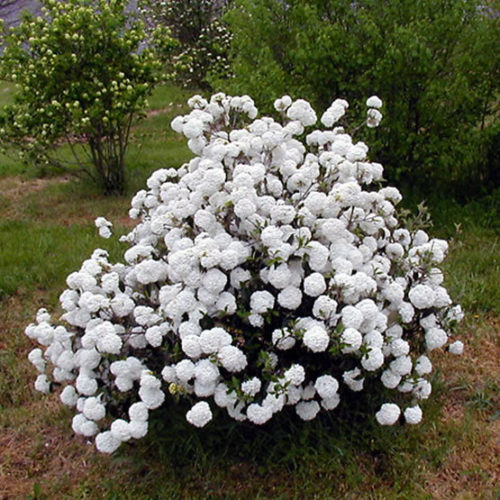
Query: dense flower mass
{"x": 263, "y": 274}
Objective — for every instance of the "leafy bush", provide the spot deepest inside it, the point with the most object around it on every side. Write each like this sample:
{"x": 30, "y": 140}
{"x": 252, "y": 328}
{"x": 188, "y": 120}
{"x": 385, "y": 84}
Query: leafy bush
{"x": 434, "y": 63}
{"x": 261, "y": 275}
{"x": 204, "y": 40}
{"x": 83, "y": 75}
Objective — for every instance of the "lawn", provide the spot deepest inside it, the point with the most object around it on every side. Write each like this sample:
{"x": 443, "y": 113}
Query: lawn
{"x": 46, "y": 231}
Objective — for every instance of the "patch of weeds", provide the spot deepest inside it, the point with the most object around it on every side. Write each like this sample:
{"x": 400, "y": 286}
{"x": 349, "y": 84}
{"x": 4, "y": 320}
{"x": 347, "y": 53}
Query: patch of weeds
{"x": 486, "y": 398}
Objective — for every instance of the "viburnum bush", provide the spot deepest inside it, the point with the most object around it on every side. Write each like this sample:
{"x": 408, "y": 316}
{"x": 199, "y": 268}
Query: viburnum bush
{"x": 262, "y": 274}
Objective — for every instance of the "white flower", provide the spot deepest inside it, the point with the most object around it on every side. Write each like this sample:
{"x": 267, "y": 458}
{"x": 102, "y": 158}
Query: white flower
{"x": 290, "y": 297}
{"x": 422, "y": 389}
{"x": 86, "y": 385}
{"x": 93, "y": 409}
{"x": 388, "y": 414}
{"x": 105, "y": 442}
{"x": 334, "y": 113}
{"x": 199, "y": 415}
{"x": 316, "y": 339}
{"x": 42, "y": 383}
{"x": 284, "y": 214}
{"x": 193, "y": 128}
{"x": 251, "y": 387}
{"x": 423, "y": 365}
{"x": 184, "y": 370}
{"x": 122, "y": 305}
{"x": 261, "y": 301}
{"x": 314, "y": 285}
{"x": 422, "y": 296}
{"x": 399, "y": 347}
{"x": 307, "y": 410}
{"x": 324, "y": 307}
{"x": 69, "y": 396}
{"x": 352, "y": 380}
{"x": 138, "y": 428}
{"x": 406, "y": 312}
{"x": 283, "y": 103}
{"x": 154, "y": 336}
{"x": 110, "y": 343}
{"x": 83, "y": 426}
{"x": 223, "y": 397}
{"x": 283, "y": 340}
{"x": 373, "y": 118}
{"x": 211, "y": 341}
{"x": 259, "y": 414}
{"x": 456, "y": 347}
{"x": 244, "y": 208}
{"x": 351, "y": 317}
{"x": 191, "y": 346}
{"x": 239, "y": 276}
{"x": 295, "y": 374}
{"x": 326, "y": 386}
{"x": 413, "y": 415}
{"x": 402, "y": 365}
{"x": 206, "y": 372}
{"x": 435, "y": 338}
{"x": 279, "y": 276}
{"x": 120, "y": 429}
{"x": 374, "y": 102}
{"x": 351, "y": 339}
{"x": 138, "y": 412}
{"x": 271, "y": 236}
{"x": 151, "y": 271}
{"x": 302, "y": 111}
{"x": 104, "y": 227}
{"x": 390, "y": 379}
{"x": 36, "y": 359}
{"x": 373, "y": 359}
{"x": 232, "y": 358}
{"x": 330, "y": 403}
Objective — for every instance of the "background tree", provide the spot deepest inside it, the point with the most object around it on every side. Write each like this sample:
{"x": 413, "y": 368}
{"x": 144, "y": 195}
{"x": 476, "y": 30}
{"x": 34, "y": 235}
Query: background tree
{"x": 83, "y": 73}
{"x": 434, "y": 64}
{"x": 204, "y": 41}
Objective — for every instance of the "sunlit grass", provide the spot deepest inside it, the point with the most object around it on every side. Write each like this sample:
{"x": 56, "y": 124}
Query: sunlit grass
{"x": 35, "y": 255}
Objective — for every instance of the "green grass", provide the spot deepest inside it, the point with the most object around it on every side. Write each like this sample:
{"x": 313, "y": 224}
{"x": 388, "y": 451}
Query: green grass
{"x": 472, "y": 268}
{"x": 35, "y": 255}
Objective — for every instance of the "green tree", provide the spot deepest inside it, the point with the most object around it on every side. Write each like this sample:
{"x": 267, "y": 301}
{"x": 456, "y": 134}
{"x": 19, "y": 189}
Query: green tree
{"x": 204, "y": 41}
{"x": 83, "y": 73}
{"x": 434, "y": 63}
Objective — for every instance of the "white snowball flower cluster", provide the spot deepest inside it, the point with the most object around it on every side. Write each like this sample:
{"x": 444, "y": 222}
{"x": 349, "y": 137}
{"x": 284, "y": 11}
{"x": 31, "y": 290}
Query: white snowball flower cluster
{"x": 104, "y": 227}
{"x": 265, "y": 273}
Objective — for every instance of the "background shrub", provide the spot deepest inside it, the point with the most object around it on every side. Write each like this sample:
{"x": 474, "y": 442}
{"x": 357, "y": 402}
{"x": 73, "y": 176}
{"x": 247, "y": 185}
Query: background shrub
{"x": 433, "y": 63}
{"x": 204, "y": 40}
{"x": 83, "y": 75}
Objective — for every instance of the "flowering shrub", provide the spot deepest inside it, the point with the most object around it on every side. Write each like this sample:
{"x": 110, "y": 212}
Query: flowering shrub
{"x": 204, "y": 40}
{"x": 83, "y": 75}
{"x": 264, "y": 273}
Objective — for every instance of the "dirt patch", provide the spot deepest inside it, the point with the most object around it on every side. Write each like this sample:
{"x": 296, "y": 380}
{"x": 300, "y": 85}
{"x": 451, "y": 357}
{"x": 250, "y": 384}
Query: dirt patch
{"x": 161, "y": 111}
{"x": 38, "y": 453}
{"x": 14, "y": 189}
{"x": 471, "y": 400}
